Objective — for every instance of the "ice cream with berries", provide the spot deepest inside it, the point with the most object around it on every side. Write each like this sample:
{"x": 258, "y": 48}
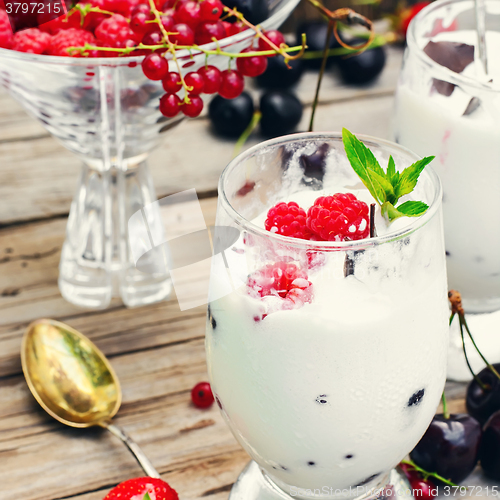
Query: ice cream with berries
{"x": 322, "y": 359}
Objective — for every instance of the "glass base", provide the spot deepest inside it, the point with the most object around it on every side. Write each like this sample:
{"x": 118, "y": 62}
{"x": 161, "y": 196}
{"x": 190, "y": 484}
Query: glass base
{"x": 485, "y": 329}
{"x": 96, "y": 262}
{"x": 253, "y": 484}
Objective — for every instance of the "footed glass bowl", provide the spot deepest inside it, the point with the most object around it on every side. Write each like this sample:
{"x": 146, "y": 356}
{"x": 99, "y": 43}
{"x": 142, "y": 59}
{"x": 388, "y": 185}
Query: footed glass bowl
{"x": 107, "y": 112}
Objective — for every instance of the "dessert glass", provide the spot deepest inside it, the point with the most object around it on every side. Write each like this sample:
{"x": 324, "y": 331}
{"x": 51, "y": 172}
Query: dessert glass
{"x": 456, "y": 117}
{"x": 329, "y": 396}
{"x": 107, "y": 112}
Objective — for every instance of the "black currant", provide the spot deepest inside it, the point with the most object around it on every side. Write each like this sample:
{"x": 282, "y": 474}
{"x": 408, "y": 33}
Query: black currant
{"x": 316, "y": 32}
{"x": 482, "y": 403}
{"x": 230, "y": 117}
{"x": 281, "y": 113}
{"x": 363, "y": 67}
{"x": 450, "y": 447}
{"x": 255, "y": 11}
{"x": 278, "y": 75}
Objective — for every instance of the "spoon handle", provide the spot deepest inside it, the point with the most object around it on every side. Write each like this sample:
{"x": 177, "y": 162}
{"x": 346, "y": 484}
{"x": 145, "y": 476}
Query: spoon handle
{"x": 143, "y": 460}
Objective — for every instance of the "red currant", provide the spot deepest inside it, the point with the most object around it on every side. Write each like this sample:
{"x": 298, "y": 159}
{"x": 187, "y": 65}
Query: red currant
{"x": 251, "y": 66}
{"x": 170, "y": 105}
{"x": 211, "y": 78}
{"x": 193, "y": 108}
{"x": 232, "y": 84}
{"x": 139, "y": 24}
{"x": 184, "y": 35}
{"x": 208, "y": 30}
{"x": 195, "y": 81}
{"x": 233, "y": 28}
{"x": 211, "y": 10}
{"x": 142, "y": 7}
{"x": 172, "y": 82}
{"x": 201, "y": 395}
{"x": 167, "y": 22}
{"x": 275, "y": 36}
{"x": 423, "y": 489}
{"x": 188, "y": 13}
{"x": 153, "y": 38}
{"x": 154, "y": 66}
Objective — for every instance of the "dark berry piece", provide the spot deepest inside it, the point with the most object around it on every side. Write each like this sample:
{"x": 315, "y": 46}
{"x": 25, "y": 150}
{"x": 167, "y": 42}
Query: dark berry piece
{"x": 314, "y": 165}
{"x": 274, "y": 36}
{"x": 278, "y": 75}
{"x": 230, "y": 117}
{"x": 170, "y": 105}
{"x": 482, "y": 403}
{"x": 232, "y": 84}
{"x": 172, "y": 82}
{"x": 211, "y": 10}
{"x": 452, "y": 55}
{"x": 321, "y": 399}
{"x": 195, "y": 81}
{"x": 184, "y": 35}
{"x": 251, "y": 66}
{"x": 449, "y": 447}
{"x": 211, "y": 78}
{"x": 368, "y": 479}
{"x": 194, "y": 107}
{"x": 311, "y": 464}
{"x": 201, "y": 395}
{"x": 154, "y": 66}
{"x": 348, "y": 457}
{"x": 489, "y": 453}
{"x": 208, "y": 30}
{"x": 416, "y": 398}
{"x": 254, "y": 11}
{"x": 315, "y": 32}
{"x": 364, "y": 67}
{"x": 281, "y": 113}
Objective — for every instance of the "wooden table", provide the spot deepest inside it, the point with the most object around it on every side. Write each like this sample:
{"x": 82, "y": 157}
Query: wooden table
{"x": 157, "y": 351}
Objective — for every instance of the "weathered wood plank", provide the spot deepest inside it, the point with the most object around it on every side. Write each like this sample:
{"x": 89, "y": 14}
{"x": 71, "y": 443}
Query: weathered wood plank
{"x": 38, "y": 176}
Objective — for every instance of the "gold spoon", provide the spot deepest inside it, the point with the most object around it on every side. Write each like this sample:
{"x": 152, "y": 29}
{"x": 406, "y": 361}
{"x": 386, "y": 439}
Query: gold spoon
{"x": 73, "y": 381}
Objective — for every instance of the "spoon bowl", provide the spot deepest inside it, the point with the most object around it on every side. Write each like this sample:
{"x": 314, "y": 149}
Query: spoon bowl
{"x": 73, "y": 381}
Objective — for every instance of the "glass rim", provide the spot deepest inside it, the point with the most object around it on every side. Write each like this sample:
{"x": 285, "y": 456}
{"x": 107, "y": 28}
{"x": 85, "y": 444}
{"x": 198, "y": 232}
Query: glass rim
{"x": 249, "y": 226}
{"x": 446, "y": 73}
{"x": 285, "y": 10}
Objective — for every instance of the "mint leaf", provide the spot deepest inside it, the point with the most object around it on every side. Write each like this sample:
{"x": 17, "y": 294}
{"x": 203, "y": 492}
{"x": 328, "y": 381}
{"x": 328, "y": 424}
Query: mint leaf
{"x": 384, "y": 184}
{"x": 392, "y": 175}
{"x": 363, "y": 163}
{"x": 409, "y": 176}
{"x": 412, "y": 208}
{"x": 146, "y": 496}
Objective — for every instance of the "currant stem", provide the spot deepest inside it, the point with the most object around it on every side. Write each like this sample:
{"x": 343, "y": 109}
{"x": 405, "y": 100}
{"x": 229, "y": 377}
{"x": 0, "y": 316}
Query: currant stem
{"x": 456, "y": 307}
{"x": 427, "y": 474}
{"x": 446, "y": 413}
{"x": 320, "y": 76}
{"x": 246, "y": 133}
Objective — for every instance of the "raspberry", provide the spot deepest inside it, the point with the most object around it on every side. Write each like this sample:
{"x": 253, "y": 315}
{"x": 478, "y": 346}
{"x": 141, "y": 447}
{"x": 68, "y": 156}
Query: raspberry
{"x": 339, "y": 217}
{"x": 31, "y": 40}
{"x": 71, "y": 37}
{"x": 115, "y": 32}
{"x": 288, "y": 219}
{"x": 281, "y": 280}
{"x": 6, "y": 34}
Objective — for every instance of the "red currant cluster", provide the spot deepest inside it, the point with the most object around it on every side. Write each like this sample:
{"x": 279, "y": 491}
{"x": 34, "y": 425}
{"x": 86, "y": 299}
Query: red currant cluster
{"x": 111, "y": 28}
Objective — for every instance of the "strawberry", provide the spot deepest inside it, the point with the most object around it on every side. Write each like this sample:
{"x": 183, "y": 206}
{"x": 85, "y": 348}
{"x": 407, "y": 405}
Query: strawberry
{"x": 139, "y": 487}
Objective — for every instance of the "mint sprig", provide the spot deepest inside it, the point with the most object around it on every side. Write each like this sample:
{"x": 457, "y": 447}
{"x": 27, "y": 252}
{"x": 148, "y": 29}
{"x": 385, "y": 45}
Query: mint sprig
{"x": 389, "y": 186}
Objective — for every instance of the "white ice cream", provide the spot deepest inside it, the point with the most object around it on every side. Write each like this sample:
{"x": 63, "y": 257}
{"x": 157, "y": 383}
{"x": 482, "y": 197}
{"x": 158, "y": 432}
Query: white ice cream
{"x": 337, "y": 392}
{"x": 467, "y": 150}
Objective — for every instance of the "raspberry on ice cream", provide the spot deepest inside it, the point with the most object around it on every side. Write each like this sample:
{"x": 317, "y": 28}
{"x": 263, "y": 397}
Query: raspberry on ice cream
{"x": 6, "y": 34}
{"x": 71, "y": 37}
{"x": 288, "y": 219}
{"x": 31, "y": 40}
{"x": 339, "y": 217}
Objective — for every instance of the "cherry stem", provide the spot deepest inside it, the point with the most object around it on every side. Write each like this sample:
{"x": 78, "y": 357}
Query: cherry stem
{"x": 321, "y": 73}
{"x": 457, "y": 308}
{"x": 446, "y": 413}
{"x": 427, "y": 474}
{"x": 476, "y": 378}
{"x": 246, "y": 133}
{"x": 373, "y": 230}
